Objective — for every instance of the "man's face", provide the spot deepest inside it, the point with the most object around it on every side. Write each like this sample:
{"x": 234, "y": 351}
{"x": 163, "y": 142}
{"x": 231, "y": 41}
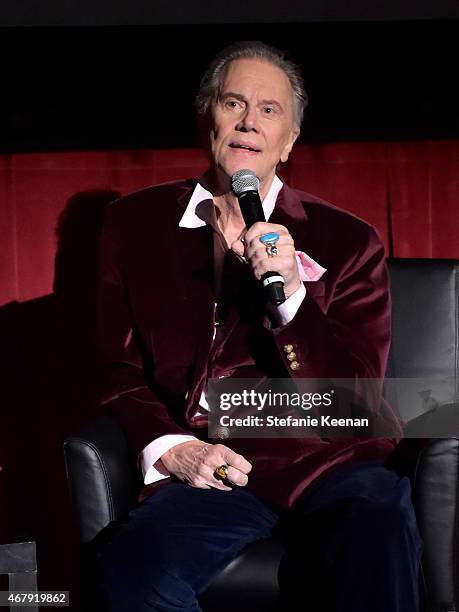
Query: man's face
{"x": 251, "y": 122}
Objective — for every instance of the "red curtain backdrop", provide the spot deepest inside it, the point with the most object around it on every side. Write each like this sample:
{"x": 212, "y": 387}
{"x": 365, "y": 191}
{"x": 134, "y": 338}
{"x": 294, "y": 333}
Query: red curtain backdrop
{"x": 408, "y": 190}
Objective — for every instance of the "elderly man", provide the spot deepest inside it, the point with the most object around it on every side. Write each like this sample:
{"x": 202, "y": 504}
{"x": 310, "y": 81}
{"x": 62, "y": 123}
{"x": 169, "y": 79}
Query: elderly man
{"x": 180, "y": 304}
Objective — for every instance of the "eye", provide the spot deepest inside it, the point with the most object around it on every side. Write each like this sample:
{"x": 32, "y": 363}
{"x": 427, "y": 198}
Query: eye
{"x": 269, "y": 110}
{"x": 233, "y": 104}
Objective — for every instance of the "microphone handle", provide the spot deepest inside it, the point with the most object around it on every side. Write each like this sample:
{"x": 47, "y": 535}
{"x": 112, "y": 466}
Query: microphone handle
{"x": 251, "y": 207}
{"x": 252, "y": 211}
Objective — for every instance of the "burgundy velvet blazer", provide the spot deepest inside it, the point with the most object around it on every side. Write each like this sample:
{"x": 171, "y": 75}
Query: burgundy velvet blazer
{"x": 155, "y": 326}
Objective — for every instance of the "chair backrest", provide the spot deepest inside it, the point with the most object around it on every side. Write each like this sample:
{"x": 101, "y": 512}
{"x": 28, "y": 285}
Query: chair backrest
{"x": 425, "y": 334}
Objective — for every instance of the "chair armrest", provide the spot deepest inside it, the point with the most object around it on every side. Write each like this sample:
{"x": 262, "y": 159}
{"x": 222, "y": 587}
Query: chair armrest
{"x": 102, "y": 477}
{"x": 436, "y": 501}
{"x": 433, "y": 468}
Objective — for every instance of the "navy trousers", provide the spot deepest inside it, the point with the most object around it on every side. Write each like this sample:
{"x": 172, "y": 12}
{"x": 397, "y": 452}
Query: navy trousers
{"x": 354, "y": 545}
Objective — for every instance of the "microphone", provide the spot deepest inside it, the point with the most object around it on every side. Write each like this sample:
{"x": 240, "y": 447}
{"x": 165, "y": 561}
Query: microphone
{"x": 245, "y": 185}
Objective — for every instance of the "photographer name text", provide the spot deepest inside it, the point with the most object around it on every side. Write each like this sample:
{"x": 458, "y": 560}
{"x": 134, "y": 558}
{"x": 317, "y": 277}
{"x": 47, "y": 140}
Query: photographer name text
{"x": 290, "y": 421}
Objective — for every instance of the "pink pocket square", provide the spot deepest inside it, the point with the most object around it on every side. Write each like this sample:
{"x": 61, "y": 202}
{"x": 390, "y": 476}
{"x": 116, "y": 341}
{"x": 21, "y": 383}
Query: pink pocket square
{"x": 309, "y": 270}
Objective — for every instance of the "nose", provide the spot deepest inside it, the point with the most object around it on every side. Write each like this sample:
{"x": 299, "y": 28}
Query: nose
{"x": 249, "y": 120}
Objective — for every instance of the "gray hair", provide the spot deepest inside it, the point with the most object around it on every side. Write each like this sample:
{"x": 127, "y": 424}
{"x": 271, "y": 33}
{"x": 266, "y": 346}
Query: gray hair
{"x": 212, "y": 80}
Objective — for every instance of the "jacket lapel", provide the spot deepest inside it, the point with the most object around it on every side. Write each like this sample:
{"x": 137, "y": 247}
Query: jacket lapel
{"x": 195, "y": 251}
{"x": 289, "y": 211}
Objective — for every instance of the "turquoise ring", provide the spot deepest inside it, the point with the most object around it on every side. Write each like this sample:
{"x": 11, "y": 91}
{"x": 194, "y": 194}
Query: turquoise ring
{"x": 269, "y": 238}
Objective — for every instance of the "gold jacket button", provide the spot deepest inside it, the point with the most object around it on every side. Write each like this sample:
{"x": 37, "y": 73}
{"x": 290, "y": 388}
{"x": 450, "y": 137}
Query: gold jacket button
{"x": 294, "y": 365}
{"x": 288, "y": 348}
{"x": 291, "y": 356}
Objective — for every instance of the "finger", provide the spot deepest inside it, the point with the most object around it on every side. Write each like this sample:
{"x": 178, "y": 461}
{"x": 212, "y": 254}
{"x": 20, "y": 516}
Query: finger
{"x": 255, "y": 239}
{"x": 237, "y": 477}
{"x": 238, "y": 247}
{"x": 256, "y": 249}
{"x": 234, "y": 477}
{"x": 223, "y": 455}
{"x": 279, "y": 267}
{"x": 284, "y": 246}
{"x": 260, "y": 228}
{"x": 195, "y": 482}
{"x": 206, "y": 470}
{"x": 218, "y": 484}
{"x": 211, "y": 478}
{"x": 207, "y": 481}
{"x": 235, "y": 460}
{"x": 284, "y": 258}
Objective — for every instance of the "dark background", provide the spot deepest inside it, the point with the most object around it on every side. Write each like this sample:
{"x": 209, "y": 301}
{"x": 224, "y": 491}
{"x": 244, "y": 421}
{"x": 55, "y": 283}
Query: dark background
{"x": 149, "y": 12}
{"x": 104, "y": 87}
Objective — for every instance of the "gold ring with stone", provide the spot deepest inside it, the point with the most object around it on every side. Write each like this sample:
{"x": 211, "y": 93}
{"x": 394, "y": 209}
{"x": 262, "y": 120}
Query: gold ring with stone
{"x": 221, "y": 472}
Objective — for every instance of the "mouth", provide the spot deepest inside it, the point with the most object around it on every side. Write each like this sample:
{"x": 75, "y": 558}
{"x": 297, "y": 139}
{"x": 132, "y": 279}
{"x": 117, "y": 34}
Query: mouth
{"x": 241, "y": 146}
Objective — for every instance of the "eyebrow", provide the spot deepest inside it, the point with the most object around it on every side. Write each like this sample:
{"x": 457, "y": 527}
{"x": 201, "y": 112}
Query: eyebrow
{"x": 231, "y": 94}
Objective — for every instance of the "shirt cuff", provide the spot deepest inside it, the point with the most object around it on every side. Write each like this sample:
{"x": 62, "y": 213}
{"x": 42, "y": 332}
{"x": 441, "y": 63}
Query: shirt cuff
{"x": 149, "y": 459}
{"x": 289, "y": 308}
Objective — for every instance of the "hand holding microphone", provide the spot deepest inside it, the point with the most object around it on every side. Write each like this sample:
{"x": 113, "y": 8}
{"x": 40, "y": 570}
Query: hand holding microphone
{"x": 269, "y": 248}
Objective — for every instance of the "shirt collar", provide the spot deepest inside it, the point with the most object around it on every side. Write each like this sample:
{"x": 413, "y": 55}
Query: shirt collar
{"x": 198, "y": 214}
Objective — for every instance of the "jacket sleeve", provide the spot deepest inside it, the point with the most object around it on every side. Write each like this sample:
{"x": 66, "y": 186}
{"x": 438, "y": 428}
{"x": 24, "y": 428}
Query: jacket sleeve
{"x": 349, "y": 339}
{"x": 352, "y": 338}
{"x": 124, "y": 388}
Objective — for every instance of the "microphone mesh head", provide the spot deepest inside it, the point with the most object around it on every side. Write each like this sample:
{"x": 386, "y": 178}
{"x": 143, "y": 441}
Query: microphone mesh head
{"x": 244, "y": 180}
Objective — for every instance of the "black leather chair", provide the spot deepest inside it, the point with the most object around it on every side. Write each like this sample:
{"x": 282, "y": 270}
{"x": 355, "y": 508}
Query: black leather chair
{"x": 425, "y": 346}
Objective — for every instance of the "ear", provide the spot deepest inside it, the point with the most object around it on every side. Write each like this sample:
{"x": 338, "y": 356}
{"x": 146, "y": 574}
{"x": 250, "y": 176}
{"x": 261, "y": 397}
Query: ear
{"x": 294, "y": 133}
